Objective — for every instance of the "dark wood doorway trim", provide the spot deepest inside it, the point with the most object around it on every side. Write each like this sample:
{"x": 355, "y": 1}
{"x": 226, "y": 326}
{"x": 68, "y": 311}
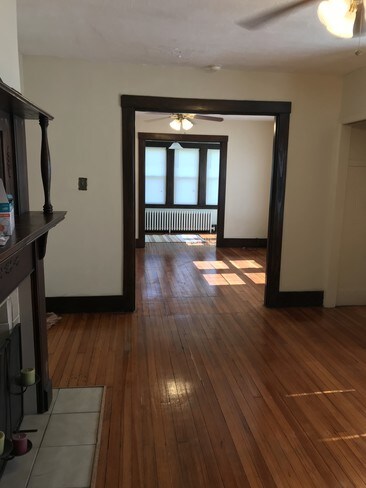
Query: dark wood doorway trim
{"x": 280, "y": 110}
{"x": 143, "y": 137}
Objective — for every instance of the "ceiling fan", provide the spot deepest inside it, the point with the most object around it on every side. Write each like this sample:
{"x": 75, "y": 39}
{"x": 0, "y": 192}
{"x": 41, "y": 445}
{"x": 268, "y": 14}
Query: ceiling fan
{"x": 186, "y": 121}
{"x": 342, "y": 18}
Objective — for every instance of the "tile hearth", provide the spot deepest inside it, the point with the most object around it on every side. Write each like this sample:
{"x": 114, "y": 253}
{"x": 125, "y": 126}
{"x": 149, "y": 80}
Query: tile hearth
{"x": 64, "y": 446}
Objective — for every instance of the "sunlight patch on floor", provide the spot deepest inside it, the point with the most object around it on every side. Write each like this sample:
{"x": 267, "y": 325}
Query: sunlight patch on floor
{"x": 344, "y": 438}
{"x": 325, "y": 392}
{"x": 257, "y": 278}
{"x": 223, "y": 279}
{"x": 219, "y": 265}
{"x": 245, "y": 264}
{"x": 210, "y": 265}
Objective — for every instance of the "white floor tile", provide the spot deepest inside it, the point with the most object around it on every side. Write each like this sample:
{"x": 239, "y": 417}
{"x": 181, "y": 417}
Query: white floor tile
{"x": 55, "y": 392}
{"x": 17, "y": 471}
{"x": 73, "y": 400}
{"x": 67, "y": 434}
{"x": 38, "y": 422}
{"x": 63, "y": 467}
{"x": 71, "y": 429}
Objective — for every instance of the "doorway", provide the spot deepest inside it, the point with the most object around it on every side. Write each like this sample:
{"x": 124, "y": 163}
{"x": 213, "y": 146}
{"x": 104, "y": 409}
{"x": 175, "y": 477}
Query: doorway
{"x": 279, "y": 110}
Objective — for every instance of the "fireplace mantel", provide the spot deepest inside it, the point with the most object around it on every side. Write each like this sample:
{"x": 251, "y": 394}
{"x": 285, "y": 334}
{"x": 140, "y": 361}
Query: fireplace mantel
{"x": 23, "y": 254}
{"x": 30, "y": 228}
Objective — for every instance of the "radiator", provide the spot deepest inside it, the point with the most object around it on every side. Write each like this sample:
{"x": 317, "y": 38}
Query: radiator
{"x": 179, "y": 220}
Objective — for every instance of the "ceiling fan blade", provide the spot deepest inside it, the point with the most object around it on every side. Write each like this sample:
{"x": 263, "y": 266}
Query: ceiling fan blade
{"x": 261, "y": 19}
{"x": 158, "y": 113}
{"x": 207, "y": 117}
{"x": 359, "y": 27}
{"x": 158, "y": 118}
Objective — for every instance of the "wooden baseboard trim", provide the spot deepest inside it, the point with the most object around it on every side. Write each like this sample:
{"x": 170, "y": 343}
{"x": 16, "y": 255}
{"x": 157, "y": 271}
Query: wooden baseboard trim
{"x": 249, "y": 242}
{"x": 95, "y": 304}
{"x": 297, "y": 299}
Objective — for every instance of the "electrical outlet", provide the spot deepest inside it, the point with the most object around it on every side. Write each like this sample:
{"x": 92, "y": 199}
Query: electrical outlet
{"x": 83, "y": 184}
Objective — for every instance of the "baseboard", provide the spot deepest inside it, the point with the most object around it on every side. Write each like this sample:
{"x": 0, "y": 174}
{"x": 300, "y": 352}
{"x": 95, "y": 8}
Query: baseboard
{"x": 296, "y": 299}
{"x": 347, "y": 296}
{"x": 244, "y": 242}
{"x": 94, "y": 304}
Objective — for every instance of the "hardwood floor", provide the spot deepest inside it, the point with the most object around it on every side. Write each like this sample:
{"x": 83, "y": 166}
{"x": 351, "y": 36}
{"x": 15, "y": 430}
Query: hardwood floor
{"x": 207, "y": 388}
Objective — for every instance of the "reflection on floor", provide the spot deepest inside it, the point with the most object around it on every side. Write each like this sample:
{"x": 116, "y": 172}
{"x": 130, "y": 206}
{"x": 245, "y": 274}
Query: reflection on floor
{"x": 210, "y": 239}
{"x": 189, "y": 239}
{"x": 64, "y": 444}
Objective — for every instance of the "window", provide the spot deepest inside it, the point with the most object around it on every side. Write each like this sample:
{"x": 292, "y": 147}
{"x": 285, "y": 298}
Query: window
{"x": 212, "y": 176}
{"x": 186, "y": 171}
{"x": 182, "y": 177}
{"x": 155, "y": 175}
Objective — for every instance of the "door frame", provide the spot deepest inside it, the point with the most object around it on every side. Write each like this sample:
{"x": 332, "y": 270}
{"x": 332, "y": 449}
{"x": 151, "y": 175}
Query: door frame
{"x": 144, "y": 137}
{"x": 279, "y": 110}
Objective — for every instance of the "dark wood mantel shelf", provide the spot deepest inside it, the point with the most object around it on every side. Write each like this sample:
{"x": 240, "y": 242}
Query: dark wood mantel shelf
{"x": 28, "y": 228}
{"x": 14, "y": 102}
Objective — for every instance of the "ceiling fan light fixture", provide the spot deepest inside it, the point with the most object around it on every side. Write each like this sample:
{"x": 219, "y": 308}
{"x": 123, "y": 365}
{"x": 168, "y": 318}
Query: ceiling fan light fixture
{"x": 338, "y": 16}
{"x": 175, "y": 145}
{"x": 175, "y": 124}
{"x": 343, "y": 28}
{"x": 186, "y": 124}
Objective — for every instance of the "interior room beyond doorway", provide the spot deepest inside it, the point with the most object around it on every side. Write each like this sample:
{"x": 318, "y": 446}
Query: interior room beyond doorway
{"x": 280, "y": 111}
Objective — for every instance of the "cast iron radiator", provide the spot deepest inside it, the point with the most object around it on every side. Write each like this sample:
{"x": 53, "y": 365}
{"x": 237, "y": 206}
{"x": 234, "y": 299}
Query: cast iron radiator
{"x": 179, "y": 220}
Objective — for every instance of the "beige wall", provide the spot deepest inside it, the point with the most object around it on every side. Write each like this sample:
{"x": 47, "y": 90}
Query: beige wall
{"x": 9, "y": 61}
{"x": 84, "y": 256}
{"x": 354, "y": 99}
{"x": 249, "y": 164}
{"x": 352, "y": 265}
{"x": 9, "y": 73}
{"x": 345, "y": 284}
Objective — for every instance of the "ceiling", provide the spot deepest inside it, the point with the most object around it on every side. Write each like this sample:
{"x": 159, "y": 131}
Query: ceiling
{"x": 194, "y": 33}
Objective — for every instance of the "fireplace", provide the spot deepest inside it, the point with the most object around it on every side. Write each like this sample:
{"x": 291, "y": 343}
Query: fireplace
{"x": 11, "y": 398}
{"x": 21, "y": 264}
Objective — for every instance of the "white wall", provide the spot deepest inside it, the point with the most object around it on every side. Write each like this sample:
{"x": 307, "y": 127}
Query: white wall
{"x": 352, "y": 265}
{"x": 9, "y": 61}
{"x": 84, "y": 254}
{"x": 249, "y": 165}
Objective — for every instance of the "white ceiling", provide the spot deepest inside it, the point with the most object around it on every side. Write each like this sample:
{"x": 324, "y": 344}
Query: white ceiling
{"x": 194, "y": 33}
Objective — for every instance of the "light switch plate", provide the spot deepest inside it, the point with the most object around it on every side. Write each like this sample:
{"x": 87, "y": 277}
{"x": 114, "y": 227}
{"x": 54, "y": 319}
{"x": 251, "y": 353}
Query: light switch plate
{"x": 83, "y": 184}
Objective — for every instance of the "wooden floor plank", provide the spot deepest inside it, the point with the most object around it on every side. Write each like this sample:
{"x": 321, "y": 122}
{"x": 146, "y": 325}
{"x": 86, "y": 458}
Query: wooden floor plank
{"x": 205, "y": 387}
